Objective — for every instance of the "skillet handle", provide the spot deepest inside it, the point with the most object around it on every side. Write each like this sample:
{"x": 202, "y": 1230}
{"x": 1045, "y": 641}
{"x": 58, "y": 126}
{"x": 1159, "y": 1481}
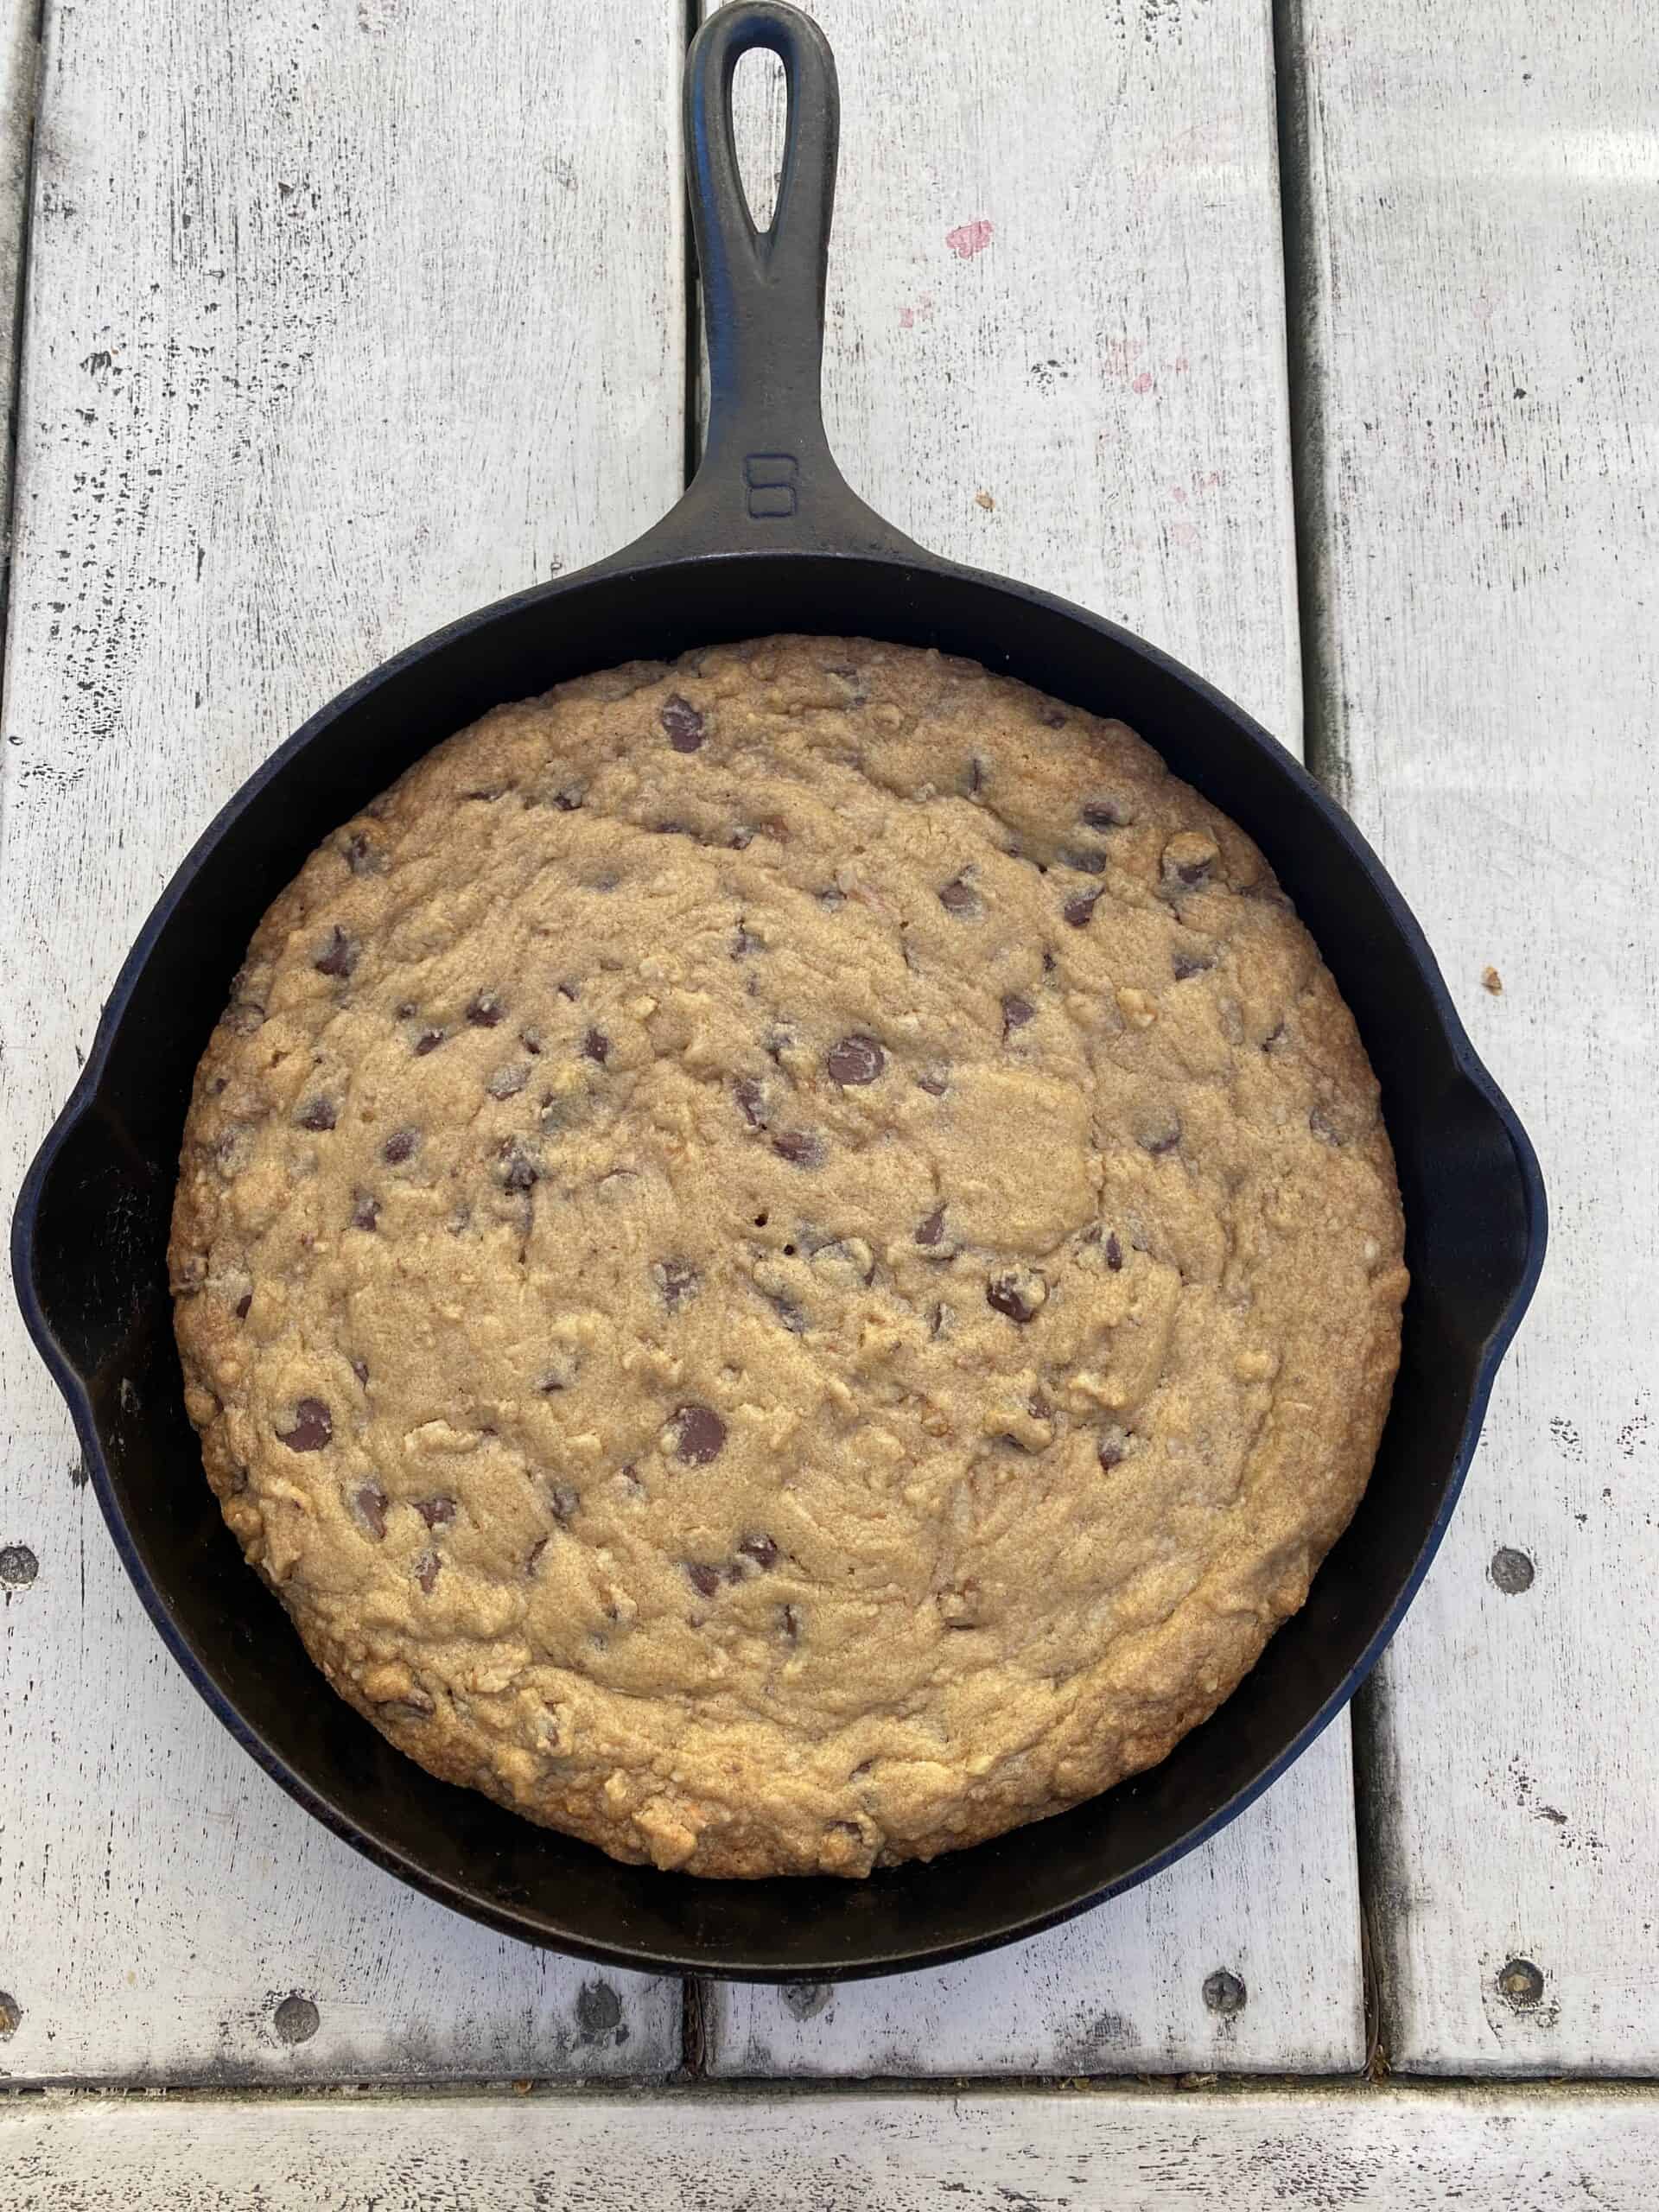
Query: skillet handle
{"x": 767, "y": 481}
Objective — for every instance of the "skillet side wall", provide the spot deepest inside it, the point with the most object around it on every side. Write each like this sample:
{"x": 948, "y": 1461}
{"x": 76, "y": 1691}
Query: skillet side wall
{"x": 93, "y": 1233}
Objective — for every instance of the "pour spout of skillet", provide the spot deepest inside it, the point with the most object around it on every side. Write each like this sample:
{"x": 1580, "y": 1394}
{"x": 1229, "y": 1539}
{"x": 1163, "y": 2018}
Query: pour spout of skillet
{"x": 769, "y": 537}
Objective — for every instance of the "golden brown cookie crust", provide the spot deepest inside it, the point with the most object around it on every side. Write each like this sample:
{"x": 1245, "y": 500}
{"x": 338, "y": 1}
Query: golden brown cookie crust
{"x": 788, "y": 1262}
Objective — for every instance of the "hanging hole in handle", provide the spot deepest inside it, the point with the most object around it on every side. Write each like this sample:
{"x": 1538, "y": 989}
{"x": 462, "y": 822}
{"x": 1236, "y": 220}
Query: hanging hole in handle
{"x": 760, "y": 123}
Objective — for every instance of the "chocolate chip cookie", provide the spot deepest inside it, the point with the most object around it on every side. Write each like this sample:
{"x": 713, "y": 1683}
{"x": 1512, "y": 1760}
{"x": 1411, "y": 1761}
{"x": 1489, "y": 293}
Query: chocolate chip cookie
{"x": 787, "y": 1262}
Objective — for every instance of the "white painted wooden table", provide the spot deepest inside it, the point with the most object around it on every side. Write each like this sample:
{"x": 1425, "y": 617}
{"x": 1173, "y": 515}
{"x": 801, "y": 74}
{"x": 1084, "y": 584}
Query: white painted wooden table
{"x": 1313, "y": 341}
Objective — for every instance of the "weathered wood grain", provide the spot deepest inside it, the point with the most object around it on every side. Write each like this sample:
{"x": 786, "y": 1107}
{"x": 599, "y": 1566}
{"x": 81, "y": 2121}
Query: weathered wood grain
{"x": 1364, "y": 2150}
{"x": 1057, "y": 349}
{"x": 1478, "y": 249}
{"x": 342, "y": 320}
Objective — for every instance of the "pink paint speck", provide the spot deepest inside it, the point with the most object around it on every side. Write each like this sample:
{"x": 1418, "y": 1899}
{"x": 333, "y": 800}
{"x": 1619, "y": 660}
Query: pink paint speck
{"x": 1183, "y": 533}
{"x": 969, "y": 239}
{"x": 1143, "y": 382}
{"x": 907, "y": 318}
{"x": 1179, "y": 494}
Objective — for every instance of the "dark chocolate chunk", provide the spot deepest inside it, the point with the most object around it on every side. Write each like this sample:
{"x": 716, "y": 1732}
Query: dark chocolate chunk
{"x": 800, "y": 1147}
{"x": 313, "y": 1425}
{"x": 856, "y": 1059}
{"x": 339, "y": 957}
{"x": 699, "y": 1435}
{"x": 682, "y": 723}
{"x": 369, "y": 1505}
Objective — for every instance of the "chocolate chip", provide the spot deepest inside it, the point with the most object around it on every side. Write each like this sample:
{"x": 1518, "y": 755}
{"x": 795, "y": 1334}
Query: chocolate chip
{"x": 705, "y": 1580}
{"x": 1187, "y": 860}
{"x": 789, "y": 1622}
{"x": 596, "y": 1047}
{"x": 360, "y": 1369}
{"x": 436, "y": 1511}
{"x": 682, "y": 722}
{"x": 938, "y": 1321}
{"x": 484, "y": 1011}
{"x": 1016, "y": 1013}
{"x": 974, "y": 780}
{"x": 931, "y": 1230}
{"x": 1103, "y": 814}
{"x": 959, "y": 898}
{"x": 800, "y": 1147}
{"x": 787, "y": 1312}
{"x": 1079, "y": 908}
{"x": 856, "y": 1059}
{"x": 1186, "y": 963}
{"x": 832, "y": 896}
{"x": 1114, "y": 1253}
{"x": 318, "y": 1114}
{"x": 243, "y": 1304}
{"x": 932, "y": 1084}
{"x": 568, "y": 800}
{"x": 518, "y": 1171}
{"x": 760, "y": 1549}
{"x": 313, "y": 1426}
{"x": 1052, "y": 718}
{"x": 429, "y": 1042}
{"x": 360, "y": 854}
{"x": 678, "y": 1283}
{"x": 699, "y": 1435}
{"x": 508, "y": 1081}
{"x": 746, "y": 942}
{"x": 365, "y": 1214}
{"x": 563, "y": 1368}
{"x": 339, "y": 957}
{"x": 564, "y": 1501}
{"x": 406, "y": 1010}
{"x": 1324, "y": 1128}
{"x": 1161, "y": 1140}
{"x": 1084, "y": 861}
{"x": 751, "y": 1097}
{"x": 427, "y": 1568}
{"x": 536, "y": 1551}
{"x": 1018, "y": 1294}
{"x": 398, "y": 1146}
{"x": 369, "y": 1505}
{"x": 1111, "y": 1449}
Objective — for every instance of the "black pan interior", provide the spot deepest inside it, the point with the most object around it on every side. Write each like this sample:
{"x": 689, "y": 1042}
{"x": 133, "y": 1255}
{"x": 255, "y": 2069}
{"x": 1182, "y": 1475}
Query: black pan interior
{"x": 92, "y": 1227}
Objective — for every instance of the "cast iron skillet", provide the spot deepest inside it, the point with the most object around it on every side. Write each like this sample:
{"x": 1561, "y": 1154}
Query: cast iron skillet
{"x": 768, "y": 537}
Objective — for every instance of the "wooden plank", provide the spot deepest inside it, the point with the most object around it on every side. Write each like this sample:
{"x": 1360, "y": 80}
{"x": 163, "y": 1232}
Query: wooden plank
{"x": 1366, "y": 2150}
{"x": 1477, "y": 233}
{"x": 1057, "y": 349}
{"x": 342, "y": 320}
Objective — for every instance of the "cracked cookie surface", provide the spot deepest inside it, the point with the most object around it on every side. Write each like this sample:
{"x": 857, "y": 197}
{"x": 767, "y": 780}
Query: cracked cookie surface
{"x": 788, "y": 1262}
